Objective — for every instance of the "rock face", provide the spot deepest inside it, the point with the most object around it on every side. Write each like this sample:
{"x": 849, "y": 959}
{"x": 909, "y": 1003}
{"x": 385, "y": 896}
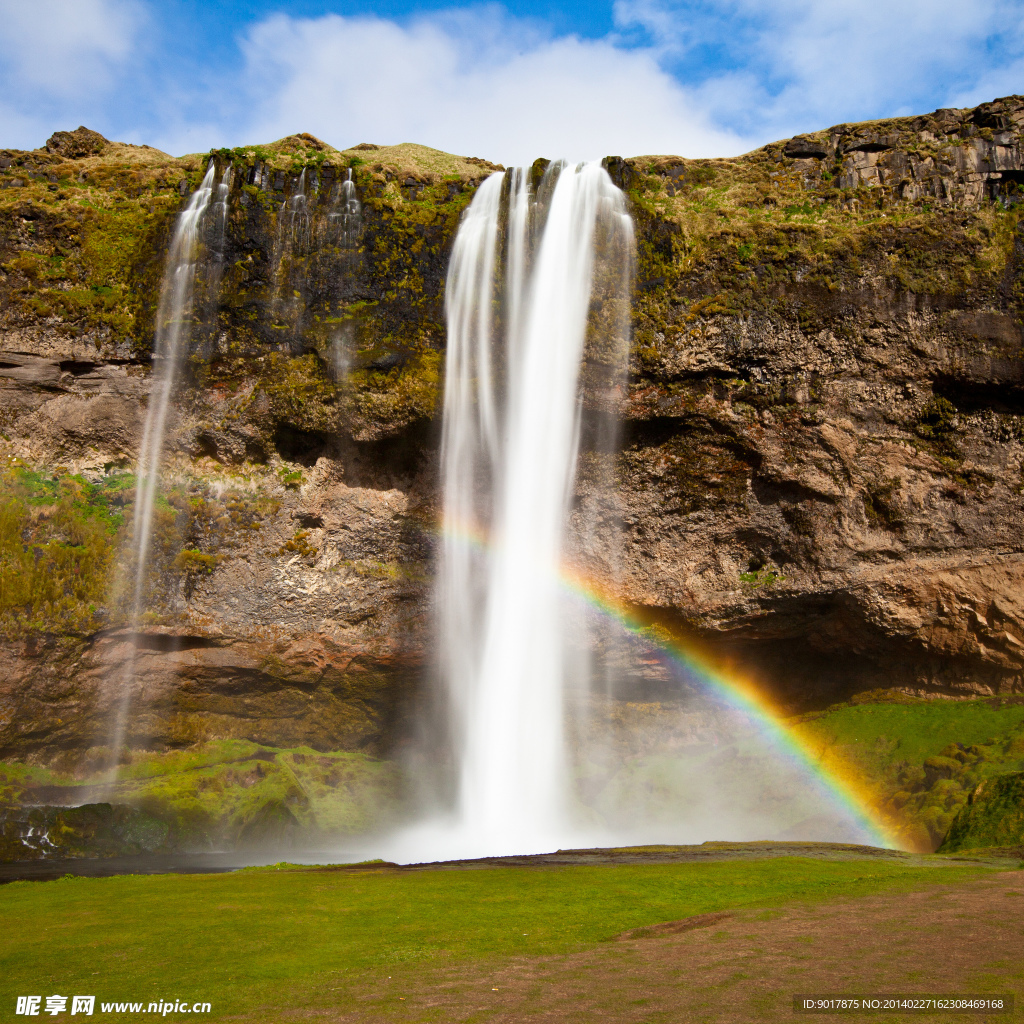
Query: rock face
{"x": 61, "y": 700}
{"x": 960, "y": 157}
{"x": 819, "y": 473}
{"x": 822, "y": 465}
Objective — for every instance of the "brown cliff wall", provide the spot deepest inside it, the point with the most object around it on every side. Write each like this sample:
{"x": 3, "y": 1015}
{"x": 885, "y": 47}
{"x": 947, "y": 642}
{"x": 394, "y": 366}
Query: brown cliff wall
{"x": 820, "y": 472}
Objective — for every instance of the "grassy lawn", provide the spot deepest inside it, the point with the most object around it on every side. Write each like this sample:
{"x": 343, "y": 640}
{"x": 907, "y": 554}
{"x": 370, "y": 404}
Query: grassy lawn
{"x": 258, "y": 942}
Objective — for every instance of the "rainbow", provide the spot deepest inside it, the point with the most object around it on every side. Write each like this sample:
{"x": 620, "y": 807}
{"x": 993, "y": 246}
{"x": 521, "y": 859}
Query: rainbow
{"x": 841, "y": 784}
{"x": 837, "y": 780}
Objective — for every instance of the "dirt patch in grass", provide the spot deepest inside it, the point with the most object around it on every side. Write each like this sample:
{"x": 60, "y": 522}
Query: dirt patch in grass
{"x": 966, "y": 938}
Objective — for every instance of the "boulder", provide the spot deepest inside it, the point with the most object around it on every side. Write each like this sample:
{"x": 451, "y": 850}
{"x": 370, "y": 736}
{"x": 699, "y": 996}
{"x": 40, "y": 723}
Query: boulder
{"x": 77, "y": 144}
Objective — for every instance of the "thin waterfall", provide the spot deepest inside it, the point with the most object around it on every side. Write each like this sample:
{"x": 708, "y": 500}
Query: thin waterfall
{"x": 294, "y": 244}
{"x": 295, "y": 216}
{"x": 344, "y": 225}
{"x": 346, "y": 217}
{"x": 216, "y": 239}
{"x": 221, "y": 211}
{"x": 173, "y": 333}
{"x": 518, "y": 300}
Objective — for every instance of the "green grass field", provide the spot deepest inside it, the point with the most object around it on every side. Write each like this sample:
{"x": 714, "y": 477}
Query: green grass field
{"x": 261, "y": 941}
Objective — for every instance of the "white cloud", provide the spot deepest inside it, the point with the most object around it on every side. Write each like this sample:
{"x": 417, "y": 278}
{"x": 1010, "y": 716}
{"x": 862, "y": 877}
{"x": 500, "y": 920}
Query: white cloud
{"x": 477, "y": 83}
{"x": 694, "y": 77}
{"x": 797, "y": 65}
{"x": 59, "y": 60}
{"x": 64, "y": 46}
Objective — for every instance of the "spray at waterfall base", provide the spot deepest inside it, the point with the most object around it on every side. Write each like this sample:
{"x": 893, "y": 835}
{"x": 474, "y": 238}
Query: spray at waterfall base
{"x": 671, "y": 746}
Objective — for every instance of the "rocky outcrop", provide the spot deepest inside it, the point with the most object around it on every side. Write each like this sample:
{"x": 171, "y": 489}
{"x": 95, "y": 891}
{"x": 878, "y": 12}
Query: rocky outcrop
{"x": 77, "y": 144}
{"x": 955, "y": 157}
{"x": 819, "y": 469}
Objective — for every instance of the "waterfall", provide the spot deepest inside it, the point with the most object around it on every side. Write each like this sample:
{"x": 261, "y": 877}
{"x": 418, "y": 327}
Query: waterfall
{"x": 294, "y": 245}
{"x": 294, "y": 217}
{"x": 518, "y": 297}
{"x": 221, "y": 211}
{"x": 173, "y": 333}
{"x": 344, "y": 225}
{"x": 216, "y": 239}
{"x": 346, "y": 216}
{"x": 537, "y": 302}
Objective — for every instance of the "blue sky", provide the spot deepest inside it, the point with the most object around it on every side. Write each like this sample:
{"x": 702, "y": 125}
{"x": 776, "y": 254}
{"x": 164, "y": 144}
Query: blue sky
{"x": 509, "y": 82}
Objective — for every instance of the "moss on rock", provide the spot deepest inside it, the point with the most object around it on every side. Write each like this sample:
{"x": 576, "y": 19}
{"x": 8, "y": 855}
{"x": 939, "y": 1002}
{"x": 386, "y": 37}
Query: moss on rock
{"x": 993, "y": 816}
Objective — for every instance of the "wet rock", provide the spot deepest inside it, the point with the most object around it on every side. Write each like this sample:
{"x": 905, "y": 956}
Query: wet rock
{"x": 90, "y": 830}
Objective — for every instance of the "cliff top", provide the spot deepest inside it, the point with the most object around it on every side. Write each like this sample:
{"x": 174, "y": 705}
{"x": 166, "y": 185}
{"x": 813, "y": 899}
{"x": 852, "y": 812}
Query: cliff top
{"x": 927, "y": 136}
{"x": 83, "y": 152}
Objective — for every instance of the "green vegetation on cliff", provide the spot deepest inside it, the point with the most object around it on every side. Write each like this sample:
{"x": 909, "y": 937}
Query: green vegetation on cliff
{"x": 753, "y": 239}
{"x": 921, "y": 758}
{"x": 63, "y": 538}
{"x": 57, "y": 549}
{"x": 81, "y": 240}
{"x": 241, "y": 793}
{"x": 199, "y": 797}
{"x": 992, "y": 817}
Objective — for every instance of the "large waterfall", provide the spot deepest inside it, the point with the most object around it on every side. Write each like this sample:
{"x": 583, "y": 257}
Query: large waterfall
{"x": 521, "y": 308}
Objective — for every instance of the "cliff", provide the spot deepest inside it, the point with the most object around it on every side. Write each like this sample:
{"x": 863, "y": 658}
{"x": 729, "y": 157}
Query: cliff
{"x": 823, "y": 460}
{"x": 819, "y": 475}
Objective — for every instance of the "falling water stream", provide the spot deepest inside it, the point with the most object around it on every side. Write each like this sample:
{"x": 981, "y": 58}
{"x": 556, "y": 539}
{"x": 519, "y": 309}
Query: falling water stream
{"x": 173, "y": 331}
{"x": 513, "y": 779}
{"x": 344, "y": 226}
{"x": 346, "y": 217}
{"x": 172, "y": 334}
{"x": 509, "y": 452}
{"x": 294, "y": 216}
